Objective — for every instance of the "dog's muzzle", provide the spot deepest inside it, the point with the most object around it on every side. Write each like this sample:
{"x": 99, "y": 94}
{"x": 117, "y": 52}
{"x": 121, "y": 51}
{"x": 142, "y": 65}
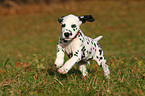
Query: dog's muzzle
{"x": 67, "y": 34}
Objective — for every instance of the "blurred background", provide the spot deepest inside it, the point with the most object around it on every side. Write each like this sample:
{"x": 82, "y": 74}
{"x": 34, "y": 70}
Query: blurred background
{"x": 31, "y": 26}
{"x": 19, "y": 6}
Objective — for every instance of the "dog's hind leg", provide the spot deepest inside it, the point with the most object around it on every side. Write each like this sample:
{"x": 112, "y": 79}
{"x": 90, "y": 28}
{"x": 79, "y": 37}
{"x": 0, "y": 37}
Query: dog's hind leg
{"x": 82, "y": 68}
{"x": 100, "y": 59}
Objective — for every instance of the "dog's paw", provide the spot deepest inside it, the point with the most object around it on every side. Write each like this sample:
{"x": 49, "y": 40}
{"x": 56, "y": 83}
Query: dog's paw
{"x": 61, "y": 71}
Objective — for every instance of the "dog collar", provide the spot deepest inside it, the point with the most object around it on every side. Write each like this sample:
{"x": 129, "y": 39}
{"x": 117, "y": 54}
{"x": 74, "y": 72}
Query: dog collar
{"x": 77, "y": 34}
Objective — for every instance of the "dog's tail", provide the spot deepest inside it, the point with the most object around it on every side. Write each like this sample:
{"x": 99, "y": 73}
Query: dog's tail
{"x": 98, "y": 38}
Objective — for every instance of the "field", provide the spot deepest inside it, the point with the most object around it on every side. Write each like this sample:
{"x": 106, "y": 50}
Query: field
{"x": 28, "y": 42}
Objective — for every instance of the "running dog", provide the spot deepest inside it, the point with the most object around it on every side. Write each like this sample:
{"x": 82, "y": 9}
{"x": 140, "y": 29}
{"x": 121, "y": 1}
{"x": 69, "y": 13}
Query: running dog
{"x": 79, "y": 48}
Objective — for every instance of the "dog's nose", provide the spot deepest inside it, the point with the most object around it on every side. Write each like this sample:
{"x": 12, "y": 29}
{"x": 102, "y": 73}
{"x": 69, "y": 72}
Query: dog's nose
{"x": 66, "y": 34}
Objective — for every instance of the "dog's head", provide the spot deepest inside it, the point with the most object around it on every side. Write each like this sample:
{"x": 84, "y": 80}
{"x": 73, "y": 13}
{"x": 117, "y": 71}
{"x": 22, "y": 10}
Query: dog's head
{"x": 70, "y": 25}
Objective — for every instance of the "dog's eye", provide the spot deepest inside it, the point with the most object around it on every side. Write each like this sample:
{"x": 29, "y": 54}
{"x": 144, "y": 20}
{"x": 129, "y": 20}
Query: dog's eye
{"x": 62, "y": 25}
{"x": 73, "y": 26}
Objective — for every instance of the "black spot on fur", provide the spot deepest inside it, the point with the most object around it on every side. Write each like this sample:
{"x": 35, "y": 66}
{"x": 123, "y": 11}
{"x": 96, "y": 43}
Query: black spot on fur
{"x": 100, "y": 51}
{"x": 83, "y": 50}
{"x": 70, "y": 34}
{"x": 101, "y": 58}
{"x": 94, "y": 44}
{"x": 66, "y": 69}
{"x": 87, "y": 52}
{"x": 99, "y": 45}
{"x": 70, "y": 55}
{"x": 81, "y": 34}
{"x": 62, "y": 50}
{"x": 83, "y": 56}
{"x": 63, "y": 25}
{"x": 104, "y": 57}
{"x": 101, "y": 64}
{"x": 73, "y": 26}
{"x": 76, "y": 53}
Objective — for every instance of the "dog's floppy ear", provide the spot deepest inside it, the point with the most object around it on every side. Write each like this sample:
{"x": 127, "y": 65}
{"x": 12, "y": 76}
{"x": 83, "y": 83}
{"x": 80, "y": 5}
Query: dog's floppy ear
{"x": 60, "y": 19}
{"x": 85, "y": 18}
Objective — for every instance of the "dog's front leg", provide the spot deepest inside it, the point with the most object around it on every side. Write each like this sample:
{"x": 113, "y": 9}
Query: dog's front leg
{"x": 70, "y": 63}
{"x": 59, "y": 56}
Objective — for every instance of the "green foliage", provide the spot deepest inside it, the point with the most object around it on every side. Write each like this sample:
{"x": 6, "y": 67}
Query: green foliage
{"x": 28, "y": 49}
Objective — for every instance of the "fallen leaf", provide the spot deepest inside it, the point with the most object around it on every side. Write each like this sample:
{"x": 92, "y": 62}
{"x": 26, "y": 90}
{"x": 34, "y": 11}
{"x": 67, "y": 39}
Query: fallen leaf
{"x": 85, "y": 78}
{"x": 1, "y": 70}
{"x": 136, "y": 58}
{"x": 17, "y": 64}
{"x": 121, "y": 62}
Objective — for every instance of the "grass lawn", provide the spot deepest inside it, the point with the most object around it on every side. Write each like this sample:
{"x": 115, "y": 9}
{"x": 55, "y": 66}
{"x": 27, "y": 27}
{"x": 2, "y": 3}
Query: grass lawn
{"x": 28, "y": 51}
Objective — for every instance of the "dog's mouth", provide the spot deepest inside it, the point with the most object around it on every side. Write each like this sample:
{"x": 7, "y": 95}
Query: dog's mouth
{"x": 69, "y": 39}
{"x": 66, "y": 40}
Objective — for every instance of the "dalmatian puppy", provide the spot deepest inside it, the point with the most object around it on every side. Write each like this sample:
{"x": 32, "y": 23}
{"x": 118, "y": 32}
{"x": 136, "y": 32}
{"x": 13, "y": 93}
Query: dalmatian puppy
{"x": 79, "y": 48}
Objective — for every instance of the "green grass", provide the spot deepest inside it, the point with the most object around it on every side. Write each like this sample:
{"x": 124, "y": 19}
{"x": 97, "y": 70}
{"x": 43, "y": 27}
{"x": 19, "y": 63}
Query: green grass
{"x": 28, "y": 49}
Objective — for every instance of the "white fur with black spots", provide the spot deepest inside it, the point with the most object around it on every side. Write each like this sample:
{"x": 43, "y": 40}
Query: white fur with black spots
{"x": 78, "y": 47}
